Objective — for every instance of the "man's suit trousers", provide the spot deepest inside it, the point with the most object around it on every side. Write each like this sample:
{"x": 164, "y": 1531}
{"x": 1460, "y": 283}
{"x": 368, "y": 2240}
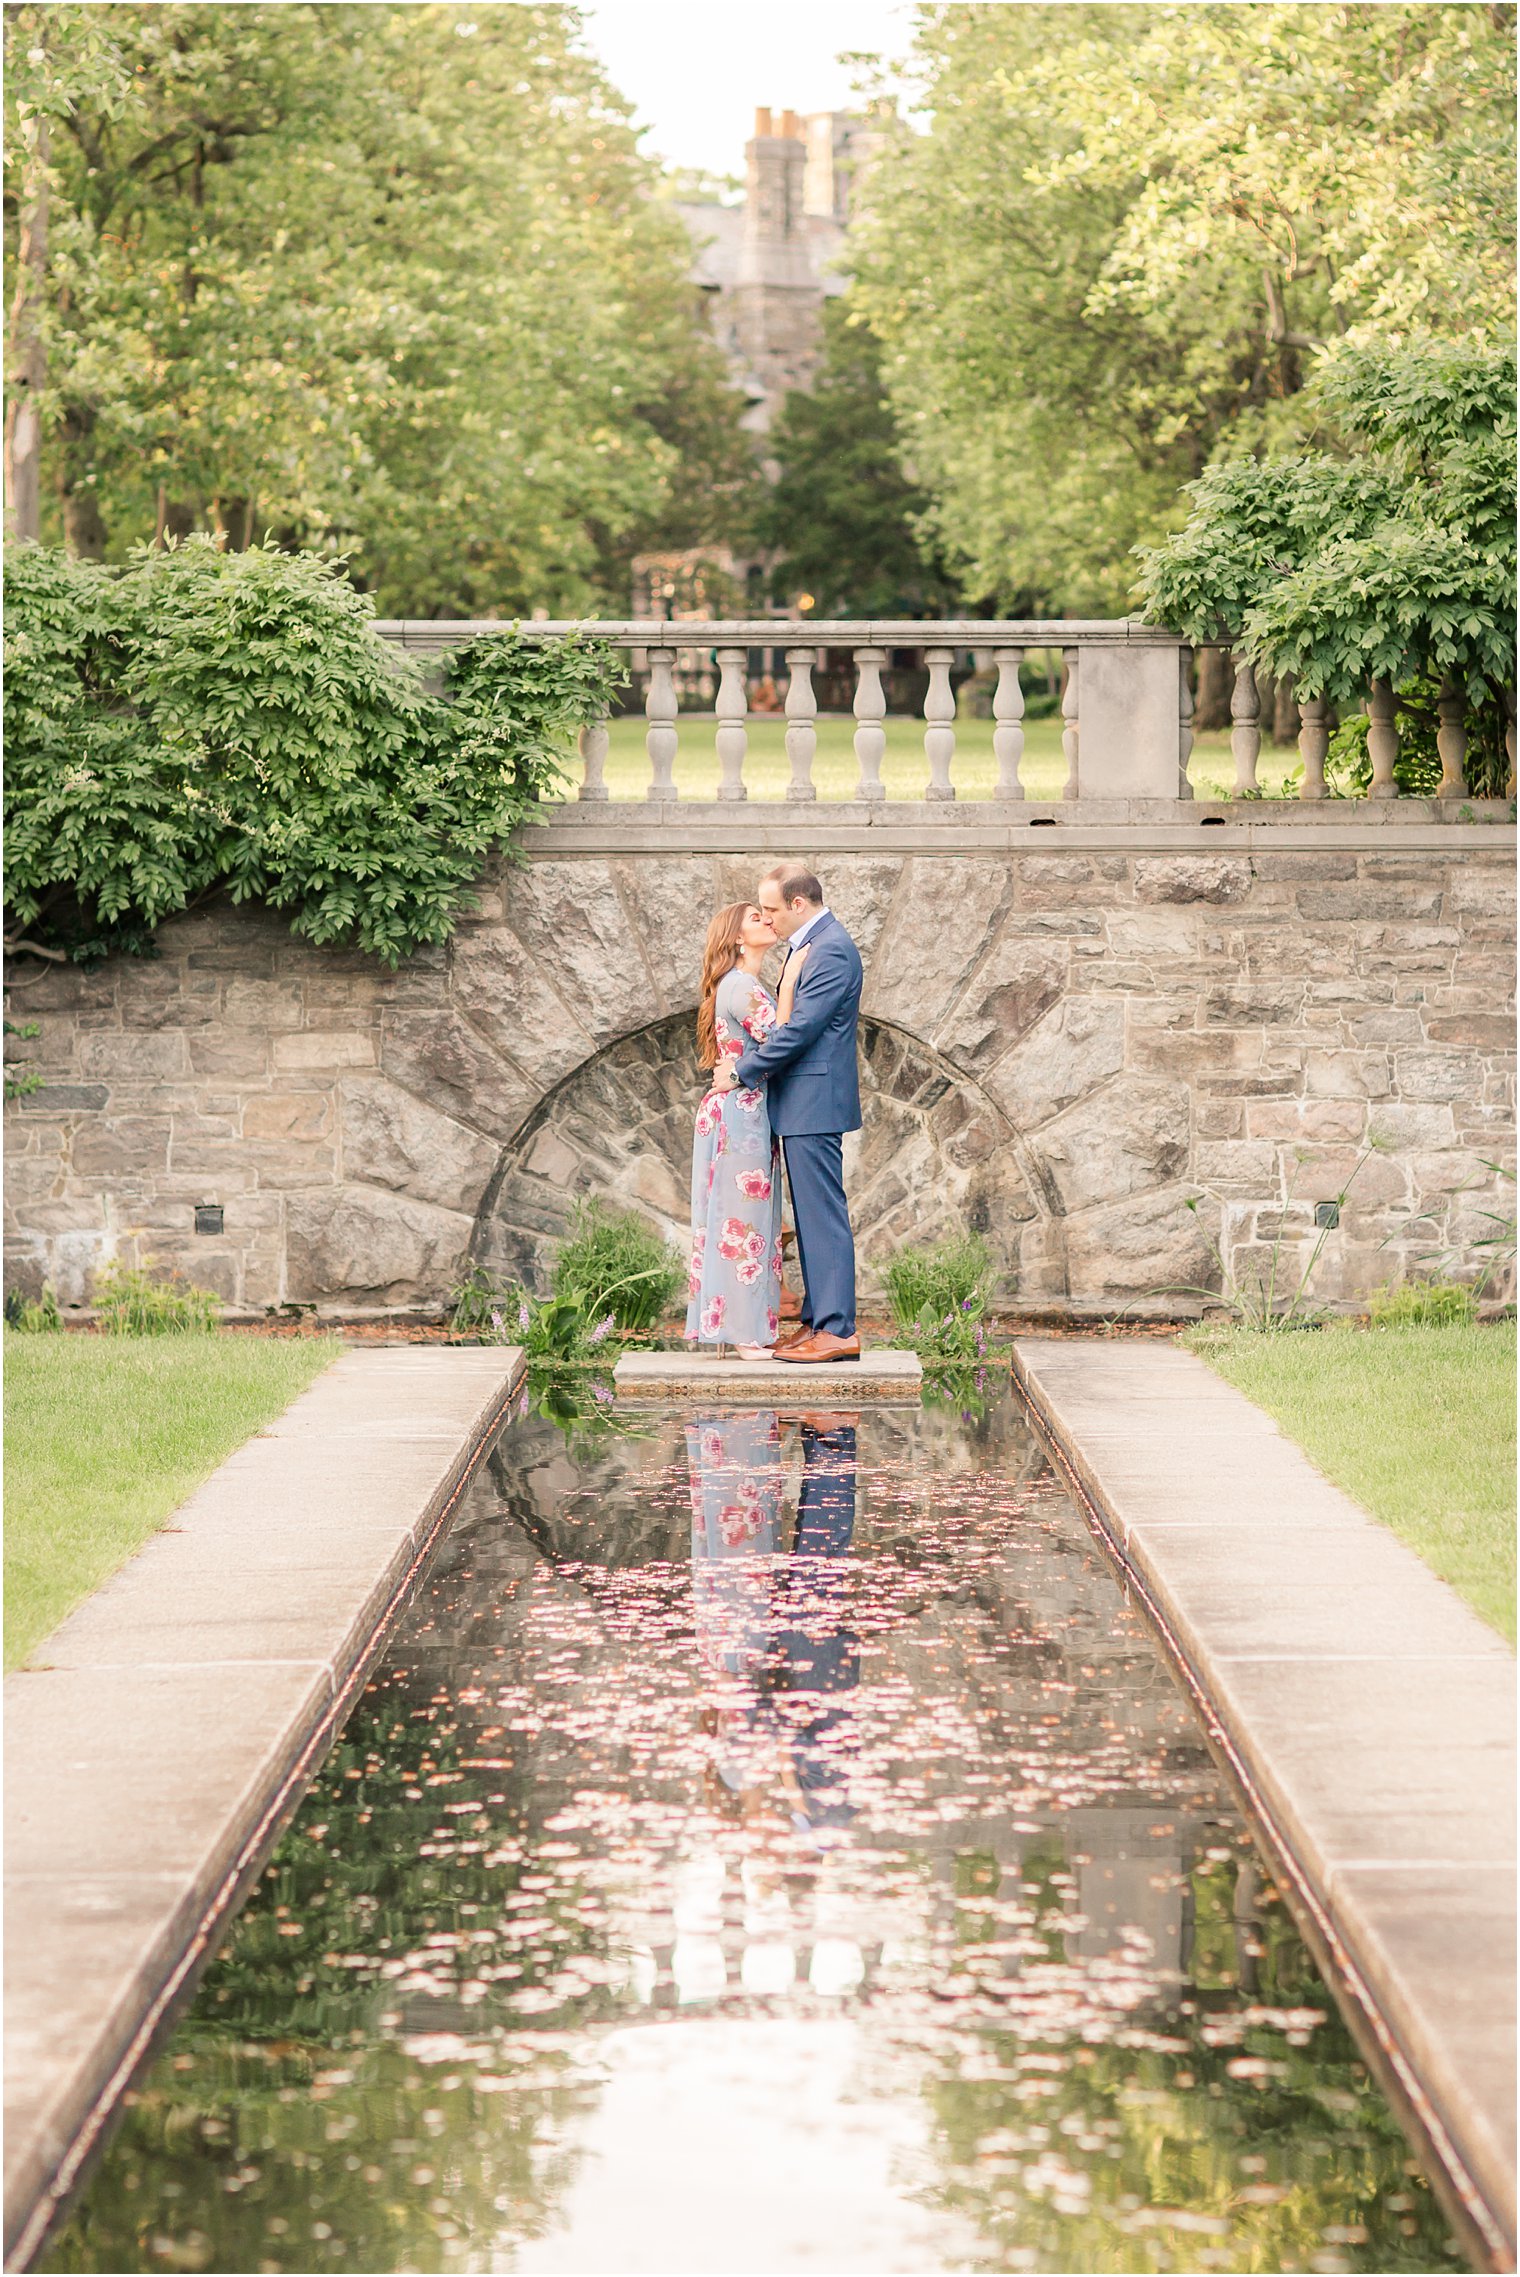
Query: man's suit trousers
{"x": 825, "y": 1245}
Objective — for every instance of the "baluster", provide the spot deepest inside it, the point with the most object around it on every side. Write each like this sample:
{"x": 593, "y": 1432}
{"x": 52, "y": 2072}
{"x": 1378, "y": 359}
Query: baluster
{"x": 660, "y": 738}
{"x": 593, "y": 748}
{"x": 801, "y": 734}
{"x": 1382, "y": 739}
{"x": 733, "y": 707}
{"x": 1008, "y": 711}
{"x": 1313, "y": 743}
{"x": 870, "y": 734}
{"x": 1071, "y": 728}
{"x": 939, "y": 714}
{"x": 1184, "y": 720}
{"x": 1451, "y": 742}
{"x": 1245, "y": 727}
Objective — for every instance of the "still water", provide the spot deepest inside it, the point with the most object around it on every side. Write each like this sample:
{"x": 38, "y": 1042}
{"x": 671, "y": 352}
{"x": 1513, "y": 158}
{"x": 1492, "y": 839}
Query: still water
{"x": 772, "y": 1844}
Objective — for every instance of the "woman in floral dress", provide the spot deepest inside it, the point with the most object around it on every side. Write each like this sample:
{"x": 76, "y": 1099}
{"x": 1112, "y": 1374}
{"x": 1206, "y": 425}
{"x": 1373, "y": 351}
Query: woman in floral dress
{"x": 734, "y": 1283}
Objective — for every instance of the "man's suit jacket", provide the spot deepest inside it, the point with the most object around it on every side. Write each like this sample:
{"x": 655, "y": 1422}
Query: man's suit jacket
{"x": 809, "y": 1066}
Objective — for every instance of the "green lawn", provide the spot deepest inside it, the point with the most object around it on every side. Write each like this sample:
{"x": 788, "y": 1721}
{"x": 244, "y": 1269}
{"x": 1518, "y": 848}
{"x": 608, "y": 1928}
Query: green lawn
{"x": 905, "y": 770}
{"x": 106, "y": 1435}
{"x": 1417, "y": 1423}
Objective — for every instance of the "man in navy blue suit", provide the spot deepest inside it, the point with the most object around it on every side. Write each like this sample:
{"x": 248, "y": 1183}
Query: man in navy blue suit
{"x": 813, "y": 1096}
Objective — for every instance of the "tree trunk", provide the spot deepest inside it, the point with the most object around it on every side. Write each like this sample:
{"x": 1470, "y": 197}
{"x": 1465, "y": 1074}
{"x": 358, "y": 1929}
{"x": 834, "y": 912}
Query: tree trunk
{"x": 1211, "y": 704}
{"x": 1279, "y": 712}
{"x": 176, "y": 518}
{"x": 84, "y": 529}
{"x": 26, "y": 352}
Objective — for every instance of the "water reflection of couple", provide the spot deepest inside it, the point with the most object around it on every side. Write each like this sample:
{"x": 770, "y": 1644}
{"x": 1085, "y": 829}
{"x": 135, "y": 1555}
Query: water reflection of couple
{"x": 771, "y": 1629}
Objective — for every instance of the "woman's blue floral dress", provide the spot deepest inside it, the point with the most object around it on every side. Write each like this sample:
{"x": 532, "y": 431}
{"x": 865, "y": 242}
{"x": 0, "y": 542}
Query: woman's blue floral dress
{"x": 734, "y": 1283}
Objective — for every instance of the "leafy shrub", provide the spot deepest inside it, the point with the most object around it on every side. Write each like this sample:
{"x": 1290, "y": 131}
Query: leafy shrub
{"x": 553, "y": 1331}
{"x": 28, "y": 1318}
{"x": 615, "y": 1261}
{"x": 939, "y": 1298}
{"x": 1423, "y": 1304}
{"x": 1417, "y": 769}
{"x": 927, "y": 1284}
{"x": 205, "y": 721}
{"x": 131, "y": 1301}
{"x": 476, "y": 1298}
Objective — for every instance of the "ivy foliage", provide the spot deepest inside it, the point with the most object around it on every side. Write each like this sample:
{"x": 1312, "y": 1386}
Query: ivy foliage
{"x": 206, "y": 721}
{"x": 1393, "y": 561}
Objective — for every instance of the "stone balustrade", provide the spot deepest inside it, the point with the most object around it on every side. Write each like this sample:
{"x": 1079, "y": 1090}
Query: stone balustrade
{"x": 1126, "y": 704}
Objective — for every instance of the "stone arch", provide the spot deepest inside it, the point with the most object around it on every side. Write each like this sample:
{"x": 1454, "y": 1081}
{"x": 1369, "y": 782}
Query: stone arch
{"x": 937, "y": 1156}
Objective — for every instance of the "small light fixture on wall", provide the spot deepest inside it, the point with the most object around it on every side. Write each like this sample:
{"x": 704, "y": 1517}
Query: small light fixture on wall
{"x": 208, "y": 1217}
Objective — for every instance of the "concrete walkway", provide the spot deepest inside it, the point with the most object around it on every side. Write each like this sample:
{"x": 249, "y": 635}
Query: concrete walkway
{"x": 1368, "y": 1714}
{"x": 170, "y": 1724}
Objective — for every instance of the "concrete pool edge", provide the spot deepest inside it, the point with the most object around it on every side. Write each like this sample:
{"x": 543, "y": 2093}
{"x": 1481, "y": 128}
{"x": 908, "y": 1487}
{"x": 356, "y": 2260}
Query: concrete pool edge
{"x": 167, "y": 1729}
{"x": 1382, "y": 1782}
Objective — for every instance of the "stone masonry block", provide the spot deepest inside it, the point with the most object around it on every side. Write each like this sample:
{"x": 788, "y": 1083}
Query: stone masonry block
{"x": 263, "y": 1004}
{"x": 324, "y": 1048}
{"x": 502, "y": 989}
{"x": 944, "y": 920}
{"x": 358, "y": 1243}
{"x": 110, "y": 1052}
{"x": 392, "y": 1139}
{"x": 224, "y": 1051}
{"x": 1130, "y": 1136}
{"x": 107, "y": 1150}
{"x": 288, "y": 1114}
{"x": 1478, "y": 1031}
{"x": 1347, "y": 1075}
{"x": 1438, "y": 1074}
{"x": 445, "y": 1062}
{"x": 1192, "y": 877}
{"x": 1013, "y": 987}
{"x": 1072, "y": 1051}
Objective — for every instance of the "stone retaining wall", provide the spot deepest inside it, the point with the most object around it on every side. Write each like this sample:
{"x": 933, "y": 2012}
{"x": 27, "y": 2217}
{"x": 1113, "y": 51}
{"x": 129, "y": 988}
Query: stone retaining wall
{"x": 1060, "y": 1049}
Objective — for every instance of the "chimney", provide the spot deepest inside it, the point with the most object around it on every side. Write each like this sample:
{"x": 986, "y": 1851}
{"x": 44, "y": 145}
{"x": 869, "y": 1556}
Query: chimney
{"x": 763, "y": 125}
{"x": 791, "y": 126}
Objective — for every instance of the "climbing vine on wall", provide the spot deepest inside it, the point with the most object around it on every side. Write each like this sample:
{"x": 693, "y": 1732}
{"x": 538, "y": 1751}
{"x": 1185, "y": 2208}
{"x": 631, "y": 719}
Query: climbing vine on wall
{"x": 206, "y": 722}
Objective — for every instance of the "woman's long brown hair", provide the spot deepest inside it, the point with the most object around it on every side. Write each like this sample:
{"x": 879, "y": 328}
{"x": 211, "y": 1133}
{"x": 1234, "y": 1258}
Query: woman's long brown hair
{"x": 719, "y": 957}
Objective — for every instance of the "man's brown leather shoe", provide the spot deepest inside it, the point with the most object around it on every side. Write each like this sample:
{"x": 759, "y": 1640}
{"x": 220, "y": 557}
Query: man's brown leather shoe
{"x": 808, "y": 1351}
{"x": 798, "y": 1333}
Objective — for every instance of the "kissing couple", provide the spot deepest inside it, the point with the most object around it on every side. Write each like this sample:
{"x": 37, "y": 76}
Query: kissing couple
{"x": 784, "y": 1082}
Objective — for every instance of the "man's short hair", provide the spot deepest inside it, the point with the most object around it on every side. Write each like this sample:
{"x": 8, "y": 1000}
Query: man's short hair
{"x": 794, "y": 883}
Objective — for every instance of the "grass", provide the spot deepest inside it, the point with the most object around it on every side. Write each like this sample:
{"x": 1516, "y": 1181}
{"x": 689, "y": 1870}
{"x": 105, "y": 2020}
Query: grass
{"x": 105, "y": 1436}
{"x": 1418, "y": 1424}
{"x": 904, "y": 770}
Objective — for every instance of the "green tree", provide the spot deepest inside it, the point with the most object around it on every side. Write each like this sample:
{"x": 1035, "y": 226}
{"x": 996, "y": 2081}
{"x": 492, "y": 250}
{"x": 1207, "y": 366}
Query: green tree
{"x": 1394, "y": 562}
{"x": 389, "y": 281}
{"x": 842, "y": 515}
{"x": 1116, "y": 252}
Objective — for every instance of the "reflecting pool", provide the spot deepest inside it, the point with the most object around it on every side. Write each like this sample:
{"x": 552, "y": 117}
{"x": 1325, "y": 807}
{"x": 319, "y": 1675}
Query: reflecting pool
{"x": 773, "y": 1843}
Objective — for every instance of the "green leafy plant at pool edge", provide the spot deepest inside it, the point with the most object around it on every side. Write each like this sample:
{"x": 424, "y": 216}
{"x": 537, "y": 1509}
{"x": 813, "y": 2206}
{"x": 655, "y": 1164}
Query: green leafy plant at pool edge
{"x": 616, "y": 1261}
{"x": 131, "y": 1301}
{"x": 939, "y": 1298}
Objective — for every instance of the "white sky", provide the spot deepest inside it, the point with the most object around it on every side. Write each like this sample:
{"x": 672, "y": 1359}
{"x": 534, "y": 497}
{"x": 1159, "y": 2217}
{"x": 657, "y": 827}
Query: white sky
{"x": 695, "y": 70}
